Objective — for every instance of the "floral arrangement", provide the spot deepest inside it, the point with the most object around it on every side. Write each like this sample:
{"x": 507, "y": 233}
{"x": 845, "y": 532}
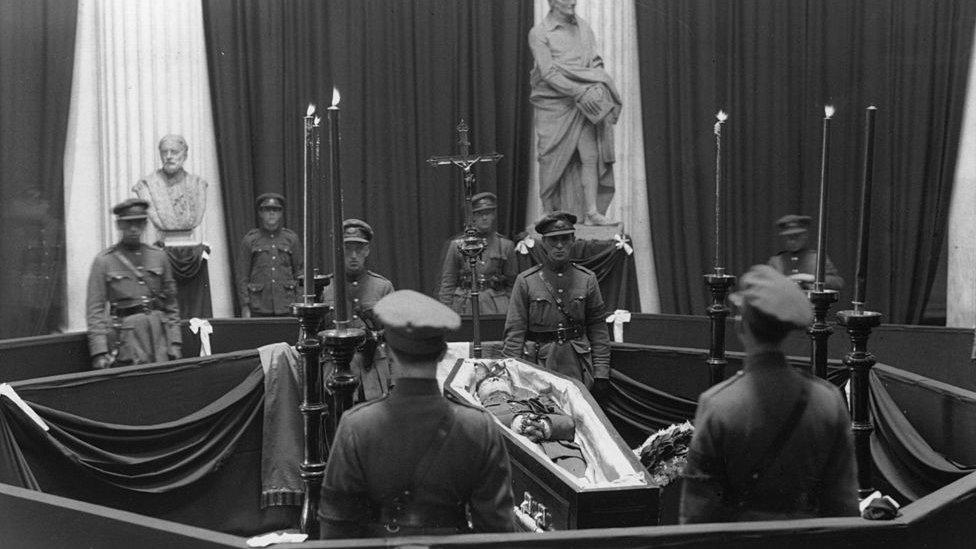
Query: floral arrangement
{"x": 665, "y": 452}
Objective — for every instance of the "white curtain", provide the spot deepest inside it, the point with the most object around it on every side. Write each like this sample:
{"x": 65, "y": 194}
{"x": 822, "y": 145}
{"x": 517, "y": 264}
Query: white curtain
{"x": 961, "y": 289}
{"x": 615, "y": 26}
{"x": 140, "y": 73}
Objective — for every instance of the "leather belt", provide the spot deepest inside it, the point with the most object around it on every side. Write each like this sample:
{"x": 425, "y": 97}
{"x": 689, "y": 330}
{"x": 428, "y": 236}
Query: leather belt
{"x": 559, "y": 335}
{"x": 412, "y": 516}
{"x": 122, "y": 312}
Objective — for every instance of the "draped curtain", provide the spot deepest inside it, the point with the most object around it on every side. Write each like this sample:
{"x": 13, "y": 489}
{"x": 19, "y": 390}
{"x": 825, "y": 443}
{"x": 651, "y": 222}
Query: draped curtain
{"x": 36, "y": 56}
{"x": 773, "y": 66}
{"x": 140, "y": 74}
{"x": 407, "y": 72}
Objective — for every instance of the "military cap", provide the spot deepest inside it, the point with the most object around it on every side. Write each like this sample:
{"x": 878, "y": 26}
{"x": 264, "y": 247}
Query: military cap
{"x": 415, "y": 323}
{"x": 556, "y": 223}
{"x": 793, "y": 224}
{"x": 768, "y": 291}
{"x": 483, "y": 201}
{"x": 356, "y": 230}
{"x": 132, "y": 208}
{"x": 270, "y": 200}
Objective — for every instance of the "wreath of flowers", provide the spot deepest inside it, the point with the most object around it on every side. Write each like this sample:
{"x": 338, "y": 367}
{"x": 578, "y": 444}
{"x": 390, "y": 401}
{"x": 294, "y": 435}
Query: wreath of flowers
{"x": 665, "y": 452}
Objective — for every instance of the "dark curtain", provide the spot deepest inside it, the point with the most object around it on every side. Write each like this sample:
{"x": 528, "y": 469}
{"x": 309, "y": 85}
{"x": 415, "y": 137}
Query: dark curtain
{"x": 37, "y": 42}
{"x": 407, "y": 73}
{"x": 772, "y": 66}
{"x": 613, "y": 266}
{"x": 902, "y": 457}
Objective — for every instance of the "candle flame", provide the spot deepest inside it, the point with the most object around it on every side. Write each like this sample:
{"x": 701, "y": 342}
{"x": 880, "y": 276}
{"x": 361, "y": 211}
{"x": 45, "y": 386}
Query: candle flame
{"x": 721, "y": 116}
{"x": 335, "y": 97}
{"x": 828, "y": 111}
{"x": 311, "y": 109}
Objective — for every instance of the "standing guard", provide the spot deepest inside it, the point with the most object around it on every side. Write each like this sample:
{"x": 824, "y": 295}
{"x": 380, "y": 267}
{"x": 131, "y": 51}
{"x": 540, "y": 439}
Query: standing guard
{"x": 797, "y": 261}
{"x": 495, "y": 268}
{"x": 141, "y": 323}
{"x": 557, "y": 316}
{"x": 268, "y": 263}
{"x": 414, "y": 462}
{"x": 363, "y": 289}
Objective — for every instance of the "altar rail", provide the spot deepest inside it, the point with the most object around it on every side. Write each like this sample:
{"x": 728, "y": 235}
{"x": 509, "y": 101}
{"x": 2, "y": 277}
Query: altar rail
{"x": 938, "y": 353}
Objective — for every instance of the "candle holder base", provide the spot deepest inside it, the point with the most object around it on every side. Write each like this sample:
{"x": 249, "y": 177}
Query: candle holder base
{"x": 313, "y": 410}
{"x": 820, "y": 330}
{"x": 341, "y": 343}
{"x": 718, "y": 285}
{"x": 859, "y": 362}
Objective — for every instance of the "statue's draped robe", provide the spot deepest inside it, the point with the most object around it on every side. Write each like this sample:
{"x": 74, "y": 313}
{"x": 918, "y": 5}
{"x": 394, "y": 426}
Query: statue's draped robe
{"x": 566, "y": 65}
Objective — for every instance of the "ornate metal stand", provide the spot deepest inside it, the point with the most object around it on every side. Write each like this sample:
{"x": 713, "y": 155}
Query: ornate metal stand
{"x": 313, "y": 411}
{"x": 859, "y": 361}
{"x": 471, "y": 247}
{"x": 718, "y": 284}
{"x": 341, "y": 343}
{"x": 820, "y": 331}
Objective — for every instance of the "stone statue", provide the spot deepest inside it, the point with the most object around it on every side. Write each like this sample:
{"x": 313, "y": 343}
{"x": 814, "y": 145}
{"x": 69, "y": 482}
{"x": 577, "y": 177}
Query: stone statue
{"x": 576, "y": 105}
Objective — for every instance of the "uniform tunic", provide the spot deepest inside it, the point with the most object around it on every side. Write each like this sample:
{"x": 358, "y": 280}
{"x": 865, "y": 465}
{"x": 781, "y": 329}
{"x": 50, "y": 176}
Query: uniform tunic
{"x": 534, "y": 308}
{"x": 805, "y": 261}
{"x": 496, "y": 272}
{"x": 362, "y": 293}
{"x": 379, "y": 444}
{"x": 268, "y": 265}
{"x": 813, "y": 475}
{"x": 143, "y": 336}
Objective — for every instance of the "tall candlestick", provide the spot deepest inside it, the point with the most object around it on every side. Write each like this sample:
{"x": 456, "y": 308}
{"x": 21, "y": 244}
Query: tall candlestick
{"x": 824, "y": 187}
{"x": 338, "y": 252}
{"x": 309, "y": 169}
{"x": 722, "y": 117}
{"x": 867, "y": 176}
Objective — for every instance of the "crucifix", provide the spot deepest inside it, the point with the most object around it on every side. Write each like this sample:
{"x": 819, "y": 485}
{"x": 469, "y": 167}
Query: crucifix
{"x": 471, "y": 246}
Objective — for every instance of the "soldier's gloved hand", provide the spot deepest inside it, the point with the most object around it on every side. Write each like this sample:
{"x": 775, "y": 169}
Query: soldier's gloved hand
{"x": 601, "y": 390}
{"x": 175, "y": 351}
{"x": 102, "y": 361}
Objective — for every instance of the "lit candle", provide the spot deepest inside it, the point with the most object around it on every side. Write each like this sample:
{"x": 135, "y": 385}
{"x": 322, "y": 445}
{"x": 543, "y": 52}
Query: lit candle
{"x": 822, "y": 217}
{"x": 338, "y": 253}
{"x": 867, "y": 175}
{"x": 721, "y": 117}
{"x": 309, "y": 168}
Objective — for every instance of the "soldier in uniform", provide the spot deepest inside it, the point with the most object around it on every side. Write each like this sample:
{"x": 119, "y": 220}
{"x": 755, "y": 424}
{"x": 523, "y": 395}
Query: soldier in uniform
{"x": 414, "y": 462}
{"x": 799, "y": 262}
{"x": 364, "y": 289}
{"x": 269, "y": 262}
{"x": 141, "y": 321}
{"x": 557, "y": 317}
{"x": 495, "y": 268}
{"x": 772, "y": 442}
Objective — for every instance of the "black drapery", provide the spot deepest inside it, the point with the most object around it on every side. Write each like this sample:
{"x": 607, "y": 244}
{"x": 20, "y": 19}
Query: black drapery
{"x": 37, "y": 43}
{"x": 192, "y": 274}
{"x": 903, "y": 458}
{"x": 407, "y": 72}
{"x": 608, "y": 259}
{"x": 772, "y": 66}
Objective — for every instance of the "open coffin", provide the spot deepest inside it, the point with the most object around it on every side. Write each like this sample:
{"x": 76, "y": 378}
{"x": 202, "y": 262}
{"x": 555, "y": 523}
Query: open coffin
{"x": 614, "y": 491}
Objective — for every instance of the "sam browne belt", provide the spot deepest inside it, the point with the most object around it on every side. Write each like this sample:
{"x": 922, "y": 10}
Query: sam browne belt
{"x": 559, "y": 335}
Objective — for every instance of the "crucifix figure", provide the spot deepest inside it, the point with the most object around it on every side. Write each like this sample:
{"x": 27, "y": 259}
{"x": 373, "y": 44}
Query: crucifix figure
{"x": 471, "y": 246}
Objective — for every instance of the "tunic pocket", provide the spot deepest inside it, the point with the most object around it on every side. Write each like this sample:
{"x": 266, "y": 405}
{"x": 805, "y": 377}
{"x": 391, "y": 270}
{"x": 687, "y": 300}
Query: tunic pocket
{"x": 255, "y": 288}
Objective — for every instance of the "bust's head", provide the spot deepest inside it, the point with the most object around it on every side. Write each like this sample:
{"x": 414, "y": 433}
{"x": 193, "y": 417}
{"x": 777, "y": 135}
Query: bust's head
{"x": 172, "y": 151}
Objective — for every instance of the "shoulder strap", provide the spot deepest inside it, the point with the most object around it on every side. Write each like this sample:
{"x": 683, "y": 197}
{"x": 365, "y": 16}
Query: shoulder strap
{"x": 775, "y": 448}
{"x": 559, "y": 300}
{"x": 128, "y": 264}
{"x": 444, "y": 427}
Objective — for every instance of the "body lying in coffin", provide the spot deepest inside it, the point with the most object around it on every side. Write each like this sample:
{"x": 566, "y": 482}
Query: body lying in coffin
{"x": 570, "y": 468}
